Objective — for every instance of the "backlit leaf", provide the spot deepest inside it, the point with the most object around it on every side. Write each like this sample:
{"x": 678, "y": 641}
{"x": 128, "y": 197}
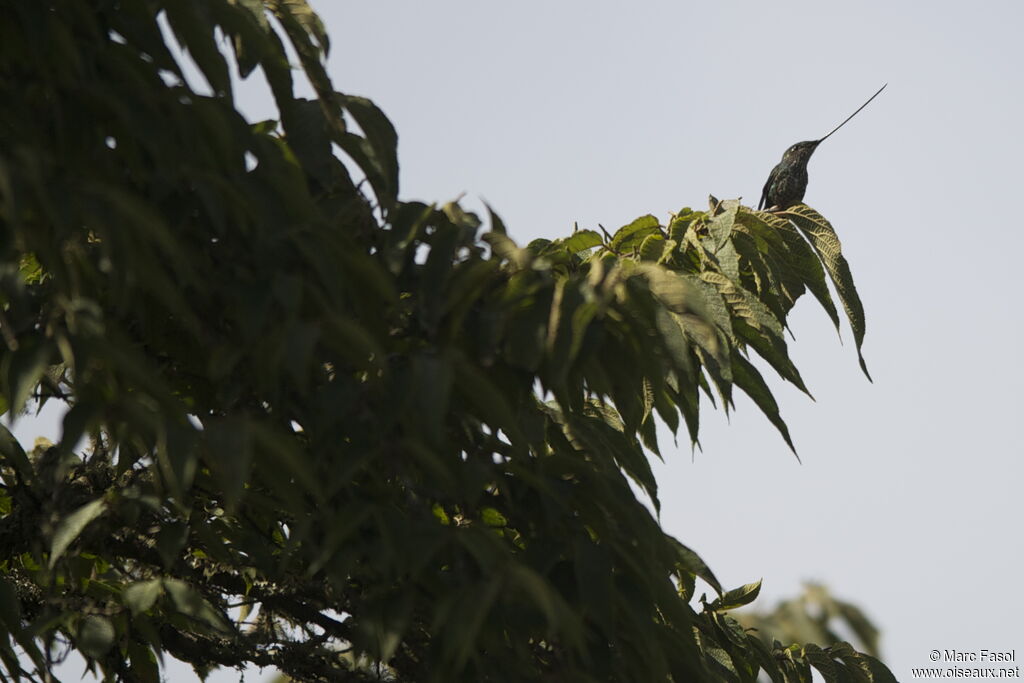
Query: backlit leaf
{"x": 70, "y": 527}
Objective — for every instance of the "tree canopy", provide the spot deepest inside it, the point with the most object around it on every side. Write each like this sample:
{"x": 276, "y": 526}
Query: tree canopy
{"x": 315, "y": 426}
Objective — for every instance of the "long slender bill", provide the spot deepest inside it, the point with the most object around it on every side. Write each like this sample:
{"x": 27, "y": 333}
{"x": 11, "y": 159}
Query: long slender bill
{"x": 853, "y": 114}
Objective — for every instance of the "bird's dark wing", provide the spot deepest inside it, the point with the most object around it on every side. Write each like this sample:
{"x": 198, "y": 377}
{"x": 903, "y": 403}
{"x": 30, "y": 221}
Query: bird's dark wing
{"x": 767, "y": 188}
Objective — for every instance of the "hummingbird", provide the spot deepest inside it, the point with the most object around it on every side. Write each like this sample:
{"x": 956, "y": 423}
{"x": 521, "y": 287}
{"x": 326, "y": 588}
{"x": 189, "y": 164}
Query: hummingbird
{"x": 788, "y": 180}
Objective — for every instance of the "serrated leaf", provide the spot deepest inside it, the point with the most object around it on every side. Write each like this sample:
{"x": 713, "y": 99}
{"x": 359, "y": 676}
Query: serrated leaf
{"x": 749, "y": 379}
{"x": 381, "y": 147}
{"x": 195, "y": 34}
{"x": 807, "y": 266}
{"x": 612, "y": 438}
{"x": 497, "y": 225}
{"x": 767, "y": 661}
{"x": 629, "y": 236}
{"x": 304, "y": 15}
{"x": 756, "y": 325}
{"x": 438, "y": 511}
{"x": 479, "y": 391}
{"x": 190, "y": 602}
{"x": 857, "y": 664}
{"x": 652, "y": 248}
{"x": 737, "y": 597}
{"x": 96, "y": 636}
{"x": 862, "y": 627}
{"x": 431, "y": 379}
{"x": 306, "y": 32}
{"x": 14, "y": 455}
{"x": 823, "y": 238}
{"x": 144, "y": 667}
{"x": 140, "y": 597}
{"x": 733, "y": 632}
{"x": 594, "y": 580}
{"x": 257, "y": 9}
{"x": 491, "y": 517}
{"x": 546, "y": 598}
{"x": 10, "y": 606}
{"x": 505, "y": 249}
{"x": 675, "y": 292}
{"x": 69, "y": 528}
{"x": 742, "y": 304}
{"x": 30, "y": 269}
{"x": 820, "y": 660}
{"x": 170, "y": 540}
{"x": 720, "y": 227}
{"x": 308, "y": 134}
{"x": 692, "y": 563}
{"x": 581, "y": 240}
{"x": 24, "y": 369}
{"x": 464, "y": 615}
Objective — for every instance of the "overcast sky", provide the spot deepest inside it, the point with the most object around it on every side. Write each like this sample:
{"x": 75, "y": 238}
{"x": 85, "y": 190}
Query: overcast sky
{"x": 908, "y": 499}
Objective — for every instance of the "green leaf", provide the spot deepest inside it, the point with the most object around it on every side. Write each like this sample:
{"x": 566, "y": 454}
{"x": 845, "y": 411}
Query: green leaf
{"x": 479, "y": 391}
{"x": 675, "y": 292}
{"x": 140, "y": 596}
{"x": 195, "y": 33}
{"x": 190, "y": 602}
{"x": 543, "y": 596}
{"x": 755, "y": 324}
{"x": 308, "y": 134}
{"x": 720, "y": 227}
{"x": 652, "y": 248}
{"x": 630, "y": 236}
{"x": 23, "y": 371}
{"x": 304, "y": 16}
{"x": 70, "y": 527}
{"x": 170, "y": 541}
{"x": 30, "y": 269}
{"x": 10, "y": 606}
{"x": 861, "y": 626}
{"x": 820, "y": 660}
{"x": 96, "y": 636}
{"x": 14, "y": 456}
{"x": 573, "y": 309}
{"x": 858, "y": 665}
{"x": 491, "y": 517}
{"x": 431, "y": 379}
{"x": 381, "y": 147}
{"x": 308, "y": 37}
{"x": 144, "y": 666}
{"x": 581, "y": 240}
{"x": 594, "y": 580}
{"x": 10, "y": 619}
{"x": 747, "y": 378}
{"x": 804, "y": 263}
{"x": 497, "y": 225}
{"x": 737, "y": 597}
{"x": 283, "y": 454}
{"x": 691, "y": 562}
{"x": 257, "y": 10}
{"x": 465, "y": 616}
{"x": 822, "y": 237}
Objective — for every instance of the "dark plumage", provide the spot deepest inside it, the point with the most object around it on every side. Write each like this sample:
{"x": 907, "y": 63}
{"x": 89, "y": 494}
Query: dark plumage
{"x": 788, "y": 180}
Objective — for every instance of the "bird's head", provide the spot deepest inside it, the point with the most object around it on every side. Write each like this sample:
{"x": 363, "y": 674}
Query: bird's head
{"x": 800, "y": 152}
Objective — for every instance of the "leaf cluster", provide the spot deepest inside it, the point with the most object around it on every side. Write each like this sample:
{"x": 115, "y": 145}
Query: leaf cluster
{"x": 312, "y": 426}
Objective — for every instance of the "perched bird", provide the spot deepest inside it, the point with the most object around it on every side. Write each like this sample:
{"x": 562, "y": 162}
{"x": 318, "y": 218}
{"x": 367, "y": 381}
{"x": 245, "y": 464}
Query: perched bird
{"x": 788, "y": 180}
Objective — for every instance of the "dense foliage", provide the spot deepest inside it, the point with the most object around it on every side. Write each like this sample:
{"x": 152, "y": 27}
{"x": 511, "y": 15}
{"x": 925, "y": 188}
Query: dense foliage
{"x": 315, "y": 427}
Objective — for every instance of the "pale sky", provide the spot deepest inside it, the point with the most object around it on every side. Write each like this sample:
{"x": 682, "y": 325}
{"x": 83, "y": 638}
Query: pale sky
{"x": 908, "y": 499}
